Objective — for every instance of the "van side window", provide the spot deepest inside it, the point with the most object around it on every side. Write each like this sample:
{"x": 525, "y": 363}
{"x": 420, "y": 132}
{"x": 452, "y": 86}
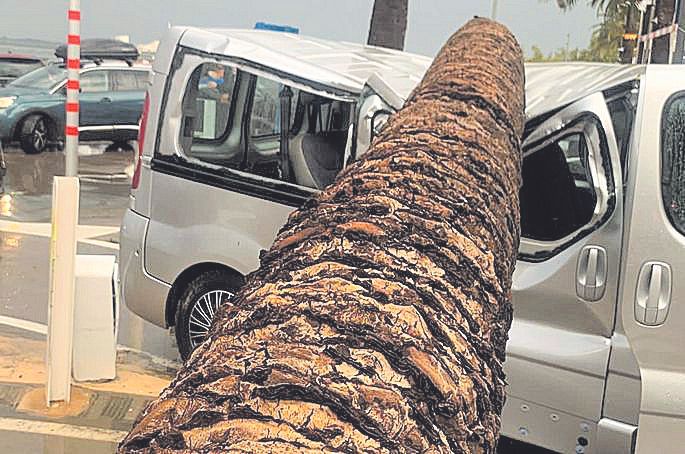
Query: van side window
{"x": 265, "y": 119}
{"x": 317, "y": 144}
{"x": 557, "y": 196}
{"x": 316, "y": 137}
{"x": 673, "y": 161}
{"x": 264, "y": 145}
{"x": 207, "y": 127}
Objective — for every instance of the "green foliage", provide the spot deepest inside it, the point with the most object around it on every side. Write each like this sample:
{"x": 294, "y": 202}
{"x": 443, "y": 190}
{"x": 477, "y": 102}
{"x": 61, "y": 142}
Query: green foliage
{"x": 561, "y": 54}
{"x": 606, "y": 36}
{"x": 603, "y": 5}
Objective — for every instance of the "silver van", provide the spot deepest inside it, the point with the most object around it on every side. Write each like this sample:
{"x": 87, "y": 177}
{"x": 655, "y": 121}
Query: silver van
{"x": 240, "y": 127}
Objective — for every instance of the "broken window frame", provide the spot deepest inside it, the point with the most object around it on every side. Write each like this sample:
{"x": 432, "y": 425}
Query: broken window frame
{"x": 578, "y": 117}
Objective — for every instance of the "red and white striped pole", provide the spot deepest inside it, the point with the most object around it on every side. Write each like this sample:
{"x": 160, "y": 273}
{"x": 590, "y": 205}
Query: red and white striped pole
{"x": 72, "y": 103}
{"x": 65, "y": 207}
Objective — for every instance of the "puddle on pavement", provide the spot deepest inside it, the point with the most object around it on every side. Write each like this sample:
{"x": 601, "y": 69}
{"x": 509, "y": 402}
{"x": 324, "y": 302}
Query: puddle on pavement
{"x": 32, "y": 174}
{"x": 24, "y": 443}
{"x": 105, "y": 181}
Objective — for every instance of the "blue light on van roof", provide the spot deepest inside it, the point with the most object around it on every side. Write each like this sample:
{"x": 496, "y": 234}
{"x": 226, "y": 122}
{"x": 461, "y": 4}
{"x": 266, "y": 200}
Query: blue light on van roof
{"x": 276, "y": 28}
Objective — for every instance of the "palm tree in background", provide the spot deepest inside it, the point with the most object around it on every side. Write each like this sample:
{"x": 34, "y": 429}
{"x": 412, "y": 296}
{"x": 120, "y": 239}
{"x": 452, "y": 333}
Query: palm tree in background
{"x": 664, "y": 12}
{"x": 388, "y": 23}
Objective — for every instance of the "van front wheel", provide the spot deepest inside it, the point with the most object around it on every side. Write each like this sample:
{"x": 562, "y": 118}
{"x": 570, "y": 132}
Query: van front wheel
{"x": 197, "y": 307}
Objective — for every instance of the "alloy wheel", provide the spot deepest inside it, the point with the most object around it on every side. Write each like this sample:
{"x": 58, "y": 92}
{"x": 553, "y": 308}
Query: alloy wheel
{"x": 39, "y": 136}
{"x": 202, "y": 314}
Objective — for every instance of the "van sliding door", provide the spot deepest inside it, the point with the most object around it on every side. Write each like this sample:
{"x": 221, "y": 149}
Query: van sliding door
{"x": 566, "y": 279}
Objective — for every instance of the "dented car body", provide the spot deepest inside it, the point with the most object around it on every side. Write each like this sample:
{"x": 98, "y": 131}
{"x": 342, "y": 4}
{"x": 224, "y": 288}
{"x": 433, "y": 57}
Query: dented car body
{"x": 243, "y": 126}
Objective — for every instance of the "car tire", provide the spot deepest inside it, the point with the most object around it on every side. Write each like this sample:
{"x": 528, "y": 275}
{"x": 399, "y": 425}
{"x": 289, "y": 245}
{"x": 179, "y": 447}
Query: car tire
{"x": 119, "y": 146}
{"x": 197, "y": 305}
{"x": 35, "y": 134}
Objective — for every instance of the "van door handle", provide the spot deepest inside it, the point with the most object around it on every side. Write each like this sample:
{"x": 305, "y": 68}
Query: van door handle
{"x": 591, "y": 273}
{"x": 106, "y": 99}
{"x": 653, "y": 295}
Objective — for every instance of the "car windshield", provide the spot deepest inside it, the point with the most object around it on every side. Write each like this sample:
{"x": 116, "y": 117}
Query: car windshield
{"x": 44, "y": 78}
{"x": 17, "y": 67}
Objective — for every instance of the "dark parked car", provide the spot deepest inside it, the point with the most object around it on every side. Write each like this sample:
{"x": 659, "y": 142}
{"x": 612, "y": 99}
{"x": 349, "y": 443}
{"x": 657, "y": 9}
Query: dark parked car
{"x": 16, "y": 65}
{"x": 112, "y": 93}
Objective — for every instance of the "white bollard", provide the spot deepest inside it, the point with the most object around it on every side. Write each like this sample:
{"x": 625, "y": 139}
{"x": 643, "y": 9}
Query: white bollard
{"x": 65, "y": 201}
{"x": 95, "y": 352}
{"x": 65, "y": 204}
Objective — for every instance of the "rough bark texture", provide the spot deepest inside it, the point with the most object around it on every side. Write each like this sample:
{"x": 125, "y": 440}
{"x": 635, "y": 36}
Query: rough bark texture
{"x": 378, "y": 319}
{"x": 388, "y": 23}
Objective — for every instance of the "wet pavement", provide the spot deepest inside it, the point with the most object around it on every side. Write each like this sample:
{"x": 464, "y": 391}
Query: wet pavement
{"x": 25, "y": 211}
{"x": 31, "y": 442}
{"x": 98, "y": 415}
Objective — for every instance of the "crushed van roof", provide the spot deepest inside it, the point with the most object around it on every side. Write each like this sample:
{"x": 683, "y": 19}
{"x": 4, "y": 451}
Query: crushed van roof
{"x": 347, "y": 66}
{"x": 341, "y": 65}
{"x": 553, "y": 85}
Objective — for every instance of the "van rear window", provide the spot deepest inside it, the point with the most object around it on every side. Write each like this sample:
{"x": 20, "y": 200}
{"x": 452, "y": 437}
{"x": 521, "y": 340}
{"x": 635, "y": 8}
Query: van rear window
{"x": 212, "y": 95}
{"x": 207, "y": 115}
{"x": 673, "y": 161}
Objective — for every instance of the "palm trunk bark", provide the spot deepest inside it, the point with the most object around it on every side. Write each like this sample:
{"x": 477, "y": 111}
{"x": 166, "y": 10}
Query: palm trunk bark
{"x": 377, "y": 321}
{"x": 388, "y": 23}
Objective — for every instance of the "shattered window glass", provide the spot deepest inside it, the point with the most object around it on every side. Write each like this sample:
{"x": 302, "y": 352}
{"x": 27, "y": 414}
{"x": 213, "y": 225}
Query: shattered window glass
{"x": 673, "y": 162}
{"x": 557, "y": 196}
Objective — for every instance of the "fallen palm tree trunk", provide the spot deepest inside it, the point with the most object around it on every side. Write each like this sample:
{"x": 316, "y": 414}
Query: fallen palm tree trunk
{"x": 378, "y": 319}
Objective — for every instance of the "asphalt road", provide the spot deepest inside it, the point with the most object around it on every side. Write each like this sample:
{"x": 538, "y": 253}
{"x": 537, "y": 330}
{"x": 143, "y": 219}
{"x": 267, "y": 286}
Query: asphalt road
{"x": 25, "y": 211}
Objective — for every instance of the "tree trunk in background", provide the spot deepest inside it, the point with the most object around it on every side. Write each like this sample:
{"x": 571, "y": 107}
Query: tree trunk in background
{"x": 377, "y": 321}
{"x": 664, "y": 17}
{"x": 388, "y": 23}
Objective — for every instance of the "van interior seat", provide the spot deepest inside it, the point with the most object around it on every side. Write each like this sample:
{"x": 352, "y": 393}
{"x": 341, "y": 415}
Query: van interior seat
{"x": 316, "y": 155}
{"x": 317, "y": 158}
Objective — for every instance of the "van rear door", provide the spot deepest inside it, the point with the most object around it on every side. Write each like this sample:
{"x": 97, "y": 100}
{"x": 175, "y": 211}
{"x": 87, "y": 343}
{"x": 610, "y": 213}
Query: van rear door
{"x": 653, "y": 271}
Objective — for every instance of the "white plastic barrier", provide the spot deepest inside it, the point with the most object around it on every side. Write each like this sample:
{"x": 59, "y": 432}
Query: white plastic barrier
{"x": 94, "y": 341}
{"x": 65, "y": 204}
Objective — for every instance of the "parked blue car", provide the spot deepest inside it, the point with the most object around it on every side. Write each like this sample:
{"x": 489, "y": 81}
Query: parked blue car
{"x": 111, "y": 101}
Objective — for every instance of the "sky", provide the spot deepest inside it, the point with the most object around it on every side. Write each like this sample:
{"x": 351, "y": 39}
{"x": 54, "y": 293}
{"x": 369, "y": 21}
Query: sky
{"x": 534, "y": 22}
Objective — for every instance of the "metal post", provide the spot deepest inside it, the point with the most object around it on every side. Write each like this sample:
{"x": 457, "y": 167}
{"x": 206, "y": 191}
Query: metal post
{"x": 493, "y": 10}
{"x": 72, "y": 104}
{"x": 679, "y": 48}
{"x": 639, "y": 45}
{"x": 650, "y": 42}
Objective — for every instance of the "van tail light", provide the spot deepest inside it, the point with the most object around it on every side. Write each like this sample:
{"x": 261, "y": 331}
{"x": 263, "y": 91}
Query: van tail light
{"x": 135, "y": 181}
